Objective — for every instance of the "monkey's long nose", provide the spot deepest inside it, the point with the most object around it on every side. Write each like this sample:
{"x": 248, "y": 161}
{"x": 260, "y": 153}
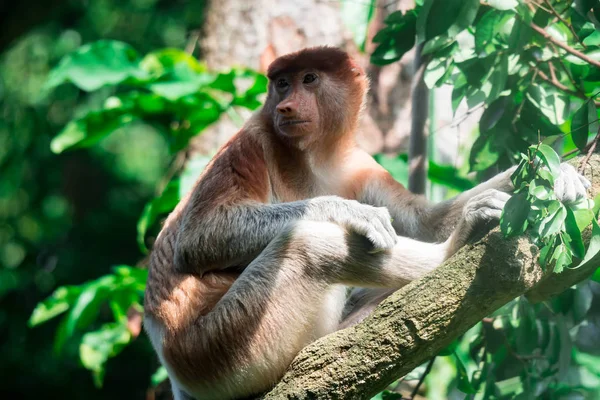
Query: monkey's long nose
{"x": 287, "y": 108}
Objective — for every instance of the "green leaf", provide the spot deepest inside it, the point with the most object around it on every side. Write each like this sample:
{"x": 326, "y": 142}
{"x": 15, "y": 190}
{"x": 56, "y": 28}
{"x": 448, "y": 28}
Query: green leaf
{"x": 356, "y": 16}
{"x": 545, "y": 253}
{"x": 98, "y": 64}
{"x": 438, "y": 17}
{"x": 437, "y": 44}
{"x": 554, "y": 221}
{"x": 394, "y": 41}
{"x": 493, "y": 113}
{"x": 98, "y": 346}
{"x": 540, "y": 191}
{"x": 483, "y": 154}
{"x": 593, "y": 39}
{"x": 593, "y": 250}
{"x": 514, "y": 215}
{"x": 434, "y": 71}
{"x": 90, "y": 129}
{"x": 550, "y": 102}
{"x": 464, "y": 383}
{"x": 159, "y": 376}
{"x": 572, "y": 229}
{"x": 486, "y": 29}
{"x": 163, "y": 204}
{"x": 86, "y": 307}
{"x": 583, "y": 218}
{"x": 549, "y": 156}
{"x": 164, "y": 61}
{"x": 497, "y": 79}
{"x": 509, "y": 387}
{"x": 503, "y": 4}
{"x": 580, "y": 126}
{"x": 450, "y": 349}
{"x": 56, "y": 304}
{"x": 563, "y": 258}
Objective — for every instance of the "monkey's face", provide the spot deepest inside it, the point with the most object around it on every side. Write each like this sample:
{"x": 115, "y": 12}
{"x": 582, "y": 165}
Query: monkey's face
{"x": 296, "y": 115}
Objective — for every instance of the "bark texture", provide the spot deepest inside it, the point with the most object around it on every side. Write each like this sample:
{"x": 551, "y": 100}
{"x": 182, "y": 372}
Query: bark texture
{"x": 422, "y": 318}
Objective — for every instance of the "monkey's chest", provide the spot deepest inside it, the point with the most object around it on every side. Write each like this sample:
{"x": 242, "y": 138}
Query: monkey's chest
{"x": 288, "y": 191}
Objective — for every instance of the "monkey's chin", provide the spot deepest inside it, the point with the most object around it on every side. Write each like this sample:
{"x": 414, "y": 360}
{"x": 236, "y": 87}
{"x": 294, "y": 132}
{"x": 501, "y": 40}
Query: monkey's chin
{"x": 297, "y": 130}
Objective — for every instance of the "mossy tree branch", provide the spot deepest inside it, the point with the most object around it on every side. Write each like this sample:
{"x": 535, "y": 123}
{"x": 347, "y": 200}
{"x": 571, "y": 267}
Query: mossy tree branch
{"x": 421, "y": 319}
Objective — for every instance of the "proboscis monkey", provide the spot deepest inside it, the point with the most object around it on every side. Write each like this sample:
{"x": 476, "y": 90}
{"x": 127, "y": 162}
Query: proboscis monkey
{"x": 255, "y": 262}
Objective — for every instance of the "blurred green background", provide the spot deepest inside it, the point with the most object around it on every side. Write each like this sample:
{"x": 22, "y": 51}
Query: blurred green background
{"x": 67, "y": 218}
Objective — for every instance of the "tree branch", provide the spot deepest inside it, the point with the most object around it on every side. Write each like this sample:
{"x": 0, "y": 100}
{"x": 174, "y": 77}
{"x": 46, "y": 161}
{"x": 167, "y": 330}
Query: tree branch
{"x": 421, "y": 319}
{"x": 564, "y": 46}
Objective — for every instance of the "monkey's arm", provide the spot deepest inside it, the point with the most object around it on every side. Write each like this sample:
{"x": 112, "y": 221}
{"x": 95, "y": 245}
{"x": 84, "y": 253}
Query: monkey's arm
{"x": 234, "y": 236}
{"x": 415, "y": 217}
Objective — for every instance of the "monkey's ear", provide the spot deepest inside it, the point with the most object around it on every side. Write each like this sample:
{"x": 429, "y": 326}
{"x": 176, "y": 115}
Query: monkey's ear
{"x": 355, "y": 68}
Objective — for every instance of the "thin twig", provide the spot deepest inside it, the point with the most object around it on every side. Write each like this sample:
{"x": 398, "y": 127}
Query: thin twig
{"x": 564, "y": 88}
{"x": 193, "y": 41}
{"x": 564, "y": 46}
{"x": 564, "y": 67}
{"x": 422, "y": 379}
{"x": 589, "y": 152}
{"x": 559, "y": 16}
{"x": 552, "y": 71}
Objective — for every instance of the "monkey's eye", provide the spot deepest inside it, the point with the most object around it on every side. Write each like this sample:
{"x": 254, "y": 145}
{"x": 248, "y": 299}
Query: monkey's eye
{"x": 309, "y": 78}
{"x": 281, "y": 83}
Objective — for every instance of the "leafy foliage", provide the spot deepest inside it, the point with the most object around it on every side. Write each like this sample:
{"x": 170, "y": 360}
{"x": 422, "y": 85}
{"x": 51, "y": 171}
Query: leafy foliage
{"x": 555, "y": 227}
{"x": 533, "y": 68}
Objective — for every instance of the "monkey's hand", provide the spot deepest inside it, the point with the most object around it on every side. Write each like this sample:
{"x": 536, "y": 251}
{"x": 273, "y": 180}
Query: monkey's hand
{"x": 479, "y": 210}
{"x": 374, "y": 223}
{"x": 570, "y": 186}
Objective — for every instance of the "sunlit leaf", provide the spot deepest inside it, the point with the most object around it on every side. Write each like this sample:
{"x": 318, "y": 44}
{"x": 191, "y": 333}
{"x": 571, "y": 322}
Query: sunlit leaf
{"x": 550, "y": 102}
{"x": 510, "y": 387}
{"x": 593, "y": 39}
{"x": 549, "y": 156}
{"x": 98, "y": 64}
{"x": 357, "y": 15}
{"x": 56, "y": 304}
{"x": 98, "y": 346}
{"x": 503, "y": 4}
{"x": 90, "y": 129}
{"x": 514, "y": 215}
{"x": 159, "y": 376}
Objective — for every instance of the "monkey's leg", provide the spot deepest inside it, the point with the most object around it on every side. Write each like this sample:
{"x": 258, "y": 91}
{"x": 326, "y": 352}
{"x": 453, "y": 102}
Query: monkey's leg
{"x": 286, "y": 298}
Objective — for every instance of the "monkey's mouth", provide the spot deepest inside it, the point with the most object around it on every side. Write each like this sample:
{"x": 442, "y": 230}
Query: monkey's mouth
{"x": 292, "y": 122}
